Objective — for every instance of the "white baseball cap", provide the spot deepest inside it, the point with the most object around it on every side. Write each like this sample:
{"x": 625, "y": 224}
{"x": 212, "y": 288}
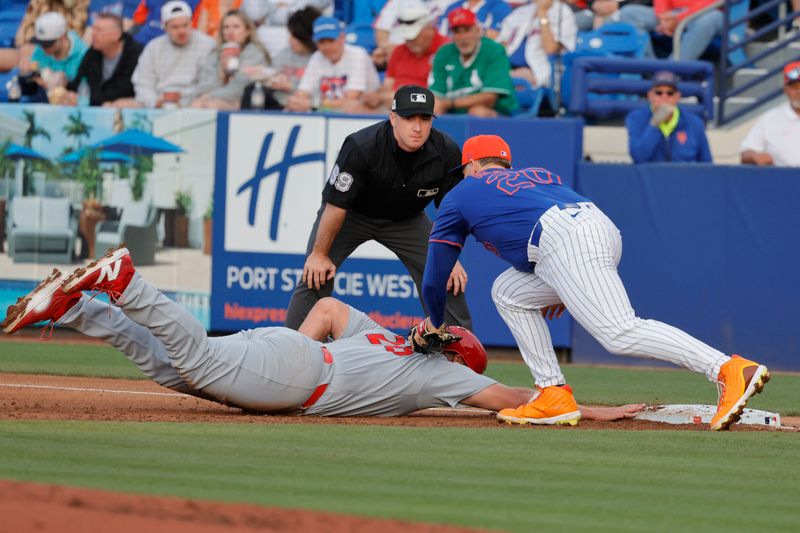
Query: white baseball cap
{"x": 49, "y": 28}
{"x": 411, "y": 19}
{"x": 174, "y": 9}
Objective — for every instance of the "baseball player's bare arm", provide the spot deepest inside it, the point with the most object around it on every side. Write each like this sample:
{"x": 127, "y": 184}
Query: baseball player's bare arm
{"x": 319, "y": 268}
{"x": 498, "y": 396}
{"x": 751, "y": 157}
{"x": 610, "y": 413}
{"x": 328, "y": 317}
{"x": 466, "y": 102}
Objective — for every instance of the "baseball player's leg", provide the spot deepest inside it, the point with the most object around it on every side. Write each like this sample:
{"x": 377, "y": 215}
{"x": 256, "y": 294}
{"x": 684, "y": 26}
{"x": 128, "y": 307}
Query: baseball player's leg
{"x": 353, "y": 233}
{"x": 519, "y": 297}
{"x": 108, "y": 323}
{"x": 582, "y": 269}
{"x": 408, "y": 239}
{"x": 268, "y": 369}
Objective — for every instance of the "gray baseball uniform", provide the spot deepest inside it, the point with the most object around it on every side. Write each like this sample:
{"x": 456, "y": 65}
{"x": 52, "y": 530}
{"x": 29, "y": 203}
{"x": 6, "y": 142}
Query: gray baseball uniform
{"x": 368, "y": 371}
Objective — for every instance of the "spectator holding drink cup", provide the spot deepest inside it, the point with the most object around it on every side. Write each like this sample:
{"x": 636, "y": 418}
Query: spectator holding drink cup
{"x": 223, "y": 77}
{"x": 171, "y": 62}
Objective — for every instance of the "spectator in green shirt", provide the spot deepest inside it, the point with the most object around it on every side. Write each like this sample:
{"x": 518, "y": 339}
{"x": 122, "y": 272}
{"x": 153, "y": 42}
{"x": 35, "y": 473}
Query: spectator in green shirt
{"x": 471, "y": 74}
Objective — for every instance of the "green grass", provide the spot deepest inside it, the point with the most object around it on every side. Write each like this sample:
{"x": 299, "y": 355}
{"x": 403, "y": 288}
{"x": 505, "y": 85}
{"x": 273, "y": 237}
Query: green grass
{"x": 508, "y": 478}
{"x": 65, "y": 359}
{"x": 514, "y": 479}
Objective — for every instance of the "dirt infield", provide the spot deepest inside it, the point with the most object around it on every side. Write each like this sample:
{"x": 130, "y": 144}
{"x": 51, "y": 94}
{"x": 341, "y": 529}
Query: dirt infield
{"x": 49, "y": 508}
{"x": 40, "y": 397}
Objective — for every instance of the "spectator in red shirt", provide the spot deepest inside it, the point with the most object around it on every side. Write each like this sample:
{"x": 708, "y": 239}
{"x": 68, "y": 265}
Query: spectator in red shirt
{"x": 410, "y": 62}
{"x": 698, "y": 33}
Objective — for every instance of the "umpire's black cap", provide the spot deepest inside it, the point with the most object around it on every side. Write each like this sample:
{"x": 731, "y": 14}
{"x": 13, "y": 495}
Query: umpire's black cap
{"x": 410, "y": 100}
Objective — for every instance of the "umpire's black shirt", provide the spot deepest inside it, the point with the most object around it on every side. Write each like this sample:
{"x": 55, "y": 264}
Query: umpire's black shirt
{"x": 374, "y": 177}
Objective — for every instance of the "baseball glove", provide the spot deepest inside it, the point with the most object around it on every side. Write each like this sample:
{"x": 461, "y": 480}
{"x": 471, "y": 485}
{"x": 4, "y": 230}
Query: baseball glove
{"x": 425, "y": 339}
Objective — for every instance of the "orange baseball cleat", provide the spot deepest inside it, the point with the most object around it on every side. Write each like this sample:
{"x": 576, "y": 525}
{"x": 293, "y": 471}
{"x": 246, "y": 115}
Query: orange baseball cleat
{"x": 552, "y": 405}
{"x": 738, "y": 380}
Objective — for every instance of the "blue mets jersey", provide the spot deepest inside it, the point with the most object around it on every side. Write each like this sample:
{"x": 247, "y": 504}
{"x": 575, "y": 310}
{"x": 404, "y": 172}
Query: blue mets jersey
{"x": 500, "y": 207}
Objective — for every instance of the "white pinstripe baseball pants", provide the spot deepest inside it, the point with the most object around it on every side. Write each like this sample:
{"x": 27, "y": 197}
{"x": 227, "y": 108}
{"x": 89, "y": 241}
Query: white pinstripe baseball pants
{"x": 576, "y": 263}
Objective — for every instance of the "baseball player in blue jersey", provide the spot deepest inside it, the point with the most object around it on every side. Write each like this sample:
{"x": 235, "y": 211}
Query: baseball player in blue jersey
{"x": 562, "y": 250}
{"x": 366, "y": 371}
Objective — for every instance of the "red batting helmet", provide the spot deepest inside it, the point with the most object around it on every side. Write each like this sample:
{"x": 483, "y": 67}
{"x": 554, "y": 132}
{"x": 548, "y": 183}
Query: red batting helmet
{"x": 469, "y": 348}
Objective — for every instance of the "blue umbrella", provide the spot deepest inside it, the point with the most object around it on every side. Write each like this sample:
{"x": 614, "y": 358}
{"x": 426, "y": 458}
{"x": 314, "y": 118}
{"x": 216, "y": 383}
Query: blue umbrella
{"x": 16, "y": 152}
{"x": 137, "y": 142}
{"x": 19, "y": 153}
{"x": 103, "y": 157}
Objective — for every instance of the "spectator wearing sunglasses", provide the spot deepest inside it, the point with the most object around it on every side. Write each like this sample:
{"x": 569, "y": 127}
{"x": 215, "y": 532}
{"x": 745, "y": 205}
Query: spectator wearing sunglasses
{"x": 775, "y": 135}
{"x": 662, "y": 132}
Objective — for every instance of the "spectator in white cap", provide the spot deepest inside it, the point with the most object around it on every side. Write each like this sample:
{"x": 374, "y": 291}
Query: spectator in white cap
{"x": 169, "y": 67}
{"x": 339, "y": 77}
{"x": 410, "y": 62}
{"x": 385, "y": 38}
{"x": 74, "y": 11}
{"x": 56, "y": 48}
{"x": 147, "y": 19}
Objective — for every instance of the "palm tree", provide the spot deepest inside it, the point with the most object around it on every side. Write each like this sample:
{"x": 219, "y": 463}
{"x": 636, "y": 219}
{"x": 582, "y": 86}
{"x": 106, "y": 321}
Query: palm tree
{"x": 6, "y": 168}
{"x": 33, "y": 130}
{"x": 142, "y": 122}
{"x": 77, "y": 128}
{"x": 6, "y": 164}
{"x": 88, "y": 173}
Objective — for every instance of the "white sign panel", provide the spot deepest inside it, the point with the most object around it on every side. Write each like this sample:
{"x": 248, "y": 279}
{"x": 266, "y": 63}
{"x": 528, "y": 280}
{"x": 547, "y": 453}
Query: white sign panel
{"x": 276, "y": 169}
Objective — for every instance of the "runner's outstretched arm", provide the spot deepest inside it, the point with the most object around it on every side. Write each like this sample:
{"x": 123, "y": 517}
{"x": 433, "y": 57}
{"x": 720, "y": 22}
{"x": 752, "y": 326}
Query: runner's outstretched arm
{"x": 328, "y": 317}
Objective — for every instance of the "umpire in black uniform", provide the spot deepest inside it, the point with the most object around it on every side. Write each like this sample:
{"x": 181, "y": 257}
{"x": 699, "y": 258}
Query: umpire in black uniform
{"x": 384, "y": 177}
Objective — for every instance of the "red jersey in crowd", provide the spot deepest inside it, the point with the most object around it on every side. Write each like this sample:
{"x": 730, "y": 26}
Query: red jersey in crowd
{"x": 407, "y": 69}
{"x": 682, "y": 8}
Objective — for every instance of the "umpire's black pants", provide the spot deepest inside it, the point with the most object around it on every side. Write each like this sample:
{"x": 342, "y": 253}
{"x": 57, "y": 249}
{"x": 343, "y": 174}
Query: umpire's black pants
{"x": 408, "y": 239}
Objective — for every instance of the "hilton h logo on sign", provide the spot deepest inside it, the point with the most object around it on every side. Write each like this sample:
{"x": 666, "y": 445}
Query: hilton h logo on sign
{"x": 281, "y": 171}
{"x": 272, "y": 164}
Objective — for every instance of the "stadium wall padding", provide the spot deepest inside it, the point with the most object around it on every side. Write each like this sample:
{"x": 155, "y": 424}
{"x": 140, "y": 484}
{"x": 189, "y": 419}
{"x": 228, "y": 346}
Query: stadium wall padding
{"x": 709, "y": 249}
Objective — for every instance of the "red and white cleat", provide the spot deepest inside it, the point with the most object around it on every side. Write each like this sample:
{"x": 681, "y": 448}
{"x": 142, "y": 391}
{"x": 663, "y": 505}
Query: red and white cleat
{"x": 46, "y": 302}
{"x": 109, "y": 274}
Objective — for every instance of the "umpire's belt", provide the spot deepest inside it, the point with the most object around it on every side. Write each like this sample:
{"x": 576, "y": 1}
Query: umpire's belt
{"x": 537, "y": 229}
{"x": 327, "y": 356}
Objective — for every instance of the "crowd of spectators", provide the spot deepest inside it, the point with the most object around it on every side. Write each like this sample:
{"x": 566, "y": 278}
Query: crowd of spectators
{"x": 293, "y": 55}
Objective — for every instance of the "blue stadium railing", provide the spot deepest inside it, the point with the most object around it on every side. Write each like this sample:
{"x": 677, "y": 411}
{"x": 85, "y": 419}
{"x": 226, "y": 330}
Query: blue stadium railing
{"x": 595, "y": 94}
{"x": 728, "y": 70}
